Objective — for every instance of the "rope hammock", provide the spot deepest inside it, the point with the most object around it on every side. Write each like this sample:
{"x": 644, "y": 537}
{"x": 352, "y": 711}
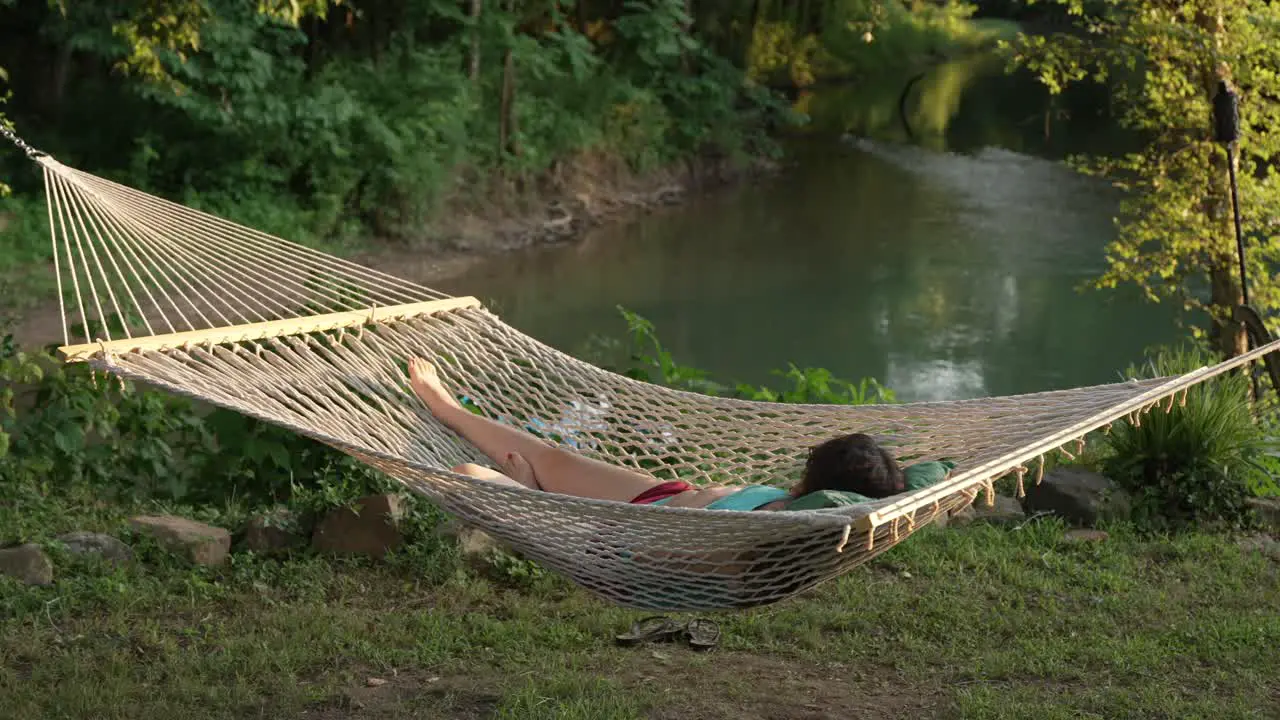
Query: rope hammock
{"x": 209, "y": 309}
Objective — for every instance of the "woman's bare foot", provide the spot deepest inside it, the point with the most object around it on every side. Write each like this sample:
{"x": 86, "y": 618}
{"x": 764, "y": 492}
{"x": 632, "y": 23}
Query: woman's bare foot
{"x": 519, "y": 469}
{"x": 426, "y": 383}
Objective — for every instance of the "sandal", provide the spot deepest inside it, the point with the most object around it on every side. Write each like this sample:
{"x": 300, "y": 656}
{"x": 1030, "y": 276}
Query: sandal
{"x": 702, "y": 634}
{"x": 656, "y": 628}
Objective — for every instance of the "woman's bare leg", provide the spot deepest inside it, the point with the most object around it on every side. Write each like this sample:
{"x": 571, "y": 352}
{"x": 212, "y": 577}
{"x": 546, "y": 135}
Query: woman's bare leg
{"x": 553, "y": 469}
{"x": 481, "y": 472}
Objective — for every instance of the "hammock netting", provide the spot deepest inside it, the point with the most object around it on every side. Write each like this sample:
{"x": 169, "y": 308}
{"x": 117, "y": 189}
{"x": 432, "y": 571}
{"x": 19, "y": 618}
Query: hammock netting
{"x": 191, "y": 303}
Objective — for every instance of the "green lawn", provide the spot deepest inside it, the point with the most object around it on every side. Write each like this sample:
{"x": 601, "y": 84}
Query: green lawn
{"x": 976, "y": 622}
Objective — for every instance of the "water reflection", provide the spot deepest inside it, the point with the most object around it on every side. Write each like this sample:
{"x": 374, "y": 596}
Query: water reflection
{"x": 946, "y": 275}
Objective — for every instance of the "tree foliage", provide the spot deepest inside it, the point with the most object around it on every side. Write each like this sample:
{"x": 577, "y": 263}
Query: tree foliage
{"x": 1162, "y": 62}
{"x": 310, "y": 115}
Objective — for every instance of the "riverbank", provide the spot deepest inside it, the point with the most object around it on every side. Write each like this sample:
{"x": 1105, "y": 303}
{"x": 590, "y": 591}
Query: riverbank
{"x": 582, "y": 194}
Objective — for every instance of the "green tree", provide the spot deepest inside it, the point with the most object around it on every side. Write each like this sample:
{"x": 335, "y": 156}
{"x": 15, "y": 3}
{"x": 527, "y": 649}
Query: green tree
{"x": 141, "y": 33}
{"x": 1164, "y": 61}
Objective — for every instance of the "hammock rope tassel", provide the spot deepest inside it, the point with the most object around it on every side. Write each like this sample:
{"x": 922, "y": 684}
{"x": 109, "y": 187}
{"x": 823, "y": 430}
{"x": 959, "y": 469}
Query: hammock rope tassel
{"x": 844, "y": 538}
{"x": 1021, "y": 472}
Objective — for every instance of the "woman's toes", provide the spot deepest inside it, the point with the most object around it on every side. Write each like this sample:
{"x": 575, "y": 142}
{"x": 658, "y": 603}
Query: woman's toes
{"x": 519, "y": 469}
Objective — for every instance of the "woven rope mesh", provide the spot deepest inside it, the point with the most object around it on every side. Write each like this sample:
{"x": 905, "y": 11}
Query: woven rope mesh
{"x": 348, "y": 388}
{"x": 153, "y": 268}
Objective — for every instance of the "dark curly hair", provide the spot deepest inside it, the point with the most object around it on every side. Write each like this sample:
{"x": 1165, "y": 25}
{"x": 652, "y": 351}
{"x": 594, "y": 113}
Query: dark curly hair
{"x": 854, "y": 463}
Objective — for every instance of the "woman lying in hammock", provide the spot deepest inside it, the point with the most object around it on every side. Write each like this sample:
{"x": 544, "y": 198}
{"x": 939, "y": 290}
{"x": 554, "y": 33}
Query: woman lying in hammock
{"x": 853, "y": 463}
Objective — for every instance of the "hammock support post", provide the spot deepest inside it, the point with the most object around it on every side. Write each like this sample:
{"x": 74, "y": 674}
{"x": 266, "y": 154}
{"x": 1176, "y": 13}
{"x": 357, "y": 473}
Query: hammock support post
{"x": 1226, "y": 130}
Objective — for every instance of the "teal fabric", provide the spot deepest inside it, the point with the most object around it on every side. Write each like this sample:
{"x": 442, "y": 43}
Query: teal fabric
{"x": 826, "y": 499}
{"x": 924, "y": 474}
{"x": 918, "y": 476}
{"x": 663, "y": 501}
{"x": 749, "y": 498}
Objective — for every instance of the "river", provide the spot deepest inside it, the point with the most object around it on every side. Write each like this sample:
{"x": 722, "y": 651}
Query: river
{"x": 946, "y": 257}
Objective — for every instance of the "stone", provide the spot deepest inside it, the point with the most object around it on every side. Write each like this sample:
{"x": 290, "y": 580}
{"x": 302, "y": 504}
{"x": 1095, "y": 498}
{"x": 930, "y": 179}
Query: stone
{"x": 201, "y": 544}
{"x": 371, "y": 526}
{"x": 27, "y": 563}
{"x": 1003, "y": 511}
{"x": 1268, "y": 546}
{"x": 473, "y": 543}
{"x": 1268, "y": 511}
{"x": 1079, "y": 535}
{"x": 962, "y": 516}
{"x": 271, "y": 532}
{"x": 90, "y": 543}
{"x": 1080, "y": 497}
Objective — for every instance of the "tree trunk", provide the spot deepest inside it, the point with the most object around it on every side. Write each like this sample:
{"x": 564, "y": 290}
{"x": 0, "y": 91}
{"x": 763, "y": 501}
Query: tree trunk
{"x": 473, "y": 71}
{"x": 509, "y": 119}
{"x": 688, "y": 30}
{"x": 507, "y": 129}
{"x": 61, "y": 74}
{"x": 1225, "y": 292}
{"x": 374, "y": 31}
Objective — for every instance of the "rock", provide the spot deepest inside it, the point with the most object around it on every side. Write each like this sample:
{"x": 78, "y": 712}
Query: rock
{"x": 91, "y": 543}
{"x": 1078, "y": 535}
{"x": 962, "y": 516}
{"x": 1268, "y": 546}
{"x": 375, "y": 682}
{"x": 1081, "y": 497}
{"x": 1005, "y": 510}
{"x": 474, "y": 544}
{"x": 201, "y": 544}
{"x": 27, "y": 563}
{"x": 371, "y": 528}
{"x": 270, "y": 532}
{"x": 1268, "y": 511}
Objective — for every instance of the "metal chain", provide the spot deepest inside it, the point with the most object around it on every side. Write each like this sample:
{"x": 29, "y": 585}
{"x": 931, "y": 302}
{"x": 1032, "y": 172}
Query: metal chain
{"x": 22, "y": 144}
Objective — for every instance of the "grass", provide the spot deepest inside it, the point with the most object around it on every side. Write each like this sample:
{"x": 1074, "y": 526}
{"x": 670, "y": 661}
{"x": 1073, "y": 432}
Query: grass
{"x": 976, "y": 622}
{"x": 24, "y": 253}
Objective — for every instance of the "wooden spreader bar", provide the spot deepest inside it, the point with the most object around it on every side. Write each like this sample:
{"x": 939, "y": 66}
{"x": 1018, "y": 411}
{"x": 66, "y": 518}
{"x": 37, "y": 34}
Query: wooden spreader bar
{"x": 264, "y": 330}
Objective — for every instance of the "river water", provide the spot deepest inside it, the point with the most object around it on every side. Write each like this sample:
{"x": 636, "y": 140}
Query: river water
{"x": 944, "y": 257}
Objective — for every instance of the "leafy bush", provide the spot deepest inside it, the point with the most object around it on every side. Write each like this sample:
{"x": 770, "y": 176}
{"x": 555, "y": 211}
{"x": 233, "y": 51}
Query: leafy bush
{"x": 650, "y": 361}
{"x": 1198, "y": 463}
{"x": 66, "y": 431}
{"x": 302, "y": 131}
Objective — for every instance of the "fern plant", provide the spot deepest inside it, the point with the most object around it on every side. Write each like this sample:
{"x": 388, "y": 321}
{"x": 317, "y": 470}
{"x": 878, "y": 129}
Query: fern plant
{"x": 1197, "y": 463}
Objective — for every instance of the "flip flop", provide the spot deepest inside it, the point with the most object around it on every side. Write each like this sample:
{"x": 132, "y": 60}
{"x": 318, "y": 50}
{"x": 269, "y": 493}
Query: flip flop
{"x": 702, "y": 634}
{"x": 656, "y": 628}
